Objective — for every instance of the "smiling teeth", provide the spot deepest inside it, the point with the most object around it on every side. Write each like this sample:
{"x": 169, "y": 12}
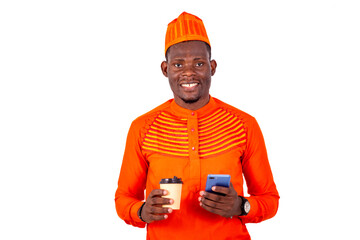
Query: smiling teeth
{"x": 189, "y": 84}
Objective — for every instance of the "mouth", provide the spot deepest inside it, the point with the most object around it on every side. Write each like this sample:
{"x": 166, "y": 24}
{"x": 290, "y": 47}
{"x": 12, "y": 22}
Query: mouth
{"x": 189, "y": 85}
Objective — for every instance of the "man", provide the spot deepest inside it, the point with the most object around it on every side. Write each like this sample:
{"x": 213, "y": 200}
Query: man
{"x": 191, "y": 136}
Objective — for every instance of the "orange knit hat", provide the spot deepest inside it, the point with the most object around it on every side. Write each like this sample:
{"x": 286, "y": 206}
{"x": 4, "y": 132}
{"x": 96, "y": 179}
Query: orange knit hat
{"x": 186, "y": 27}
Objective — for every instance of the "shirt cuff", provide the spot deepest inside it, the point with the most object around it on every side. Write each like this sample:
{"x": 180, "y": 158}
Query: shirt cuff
{"x": 135, "y": 217}
{"x": 253, "y": 213}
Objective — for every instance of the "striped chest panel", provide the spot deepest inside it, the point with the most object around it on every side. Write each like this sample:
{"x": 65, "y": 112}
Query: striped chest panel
{"x": 167, "y": 135}
{"x": 220, "y": 132}
{"x": 217, "y": 132}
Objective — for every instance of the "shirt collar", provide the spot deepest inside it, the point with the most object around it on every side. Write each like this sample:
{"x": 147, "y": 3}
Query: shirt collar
{"x": 183, "y": 112}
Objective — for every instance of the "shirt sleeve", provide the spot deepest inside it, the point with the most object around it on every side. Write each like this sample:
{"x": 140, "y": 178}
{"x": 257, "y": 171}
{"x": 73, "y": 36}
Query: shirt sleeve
{"x": 129, "y": 195}
{"x": 264, "y": 197}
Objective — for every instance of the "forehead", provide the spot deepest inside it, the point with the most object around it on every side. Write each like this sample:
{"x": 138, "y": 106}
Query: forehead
{"x": 188, "y": 49}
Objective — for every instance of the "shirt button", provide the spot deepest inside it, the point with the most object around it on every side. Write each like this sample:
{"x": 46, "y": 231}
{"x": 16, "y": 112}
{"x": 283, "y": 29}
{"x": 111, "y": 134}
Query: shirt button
{"x": 193, "y": 148}
{"x": 192, "y": 113}
{"x": 192, "y": 129}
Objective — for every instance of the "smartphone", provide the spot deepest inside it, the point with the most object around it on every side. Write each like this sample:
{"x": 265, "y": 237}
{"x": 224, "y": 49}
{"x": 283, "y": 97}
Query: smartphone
{"x": 222, "y": 180}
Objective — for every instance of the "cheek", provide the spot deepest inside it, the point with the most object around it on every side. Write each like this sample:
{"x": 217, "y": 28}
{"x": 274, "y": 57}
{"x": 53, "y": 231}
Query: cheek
{"x": 206, "y": 79}
{"x": 173, "y": 84}
{"x": 173, "y": 78}
{"x": 205, "y": 74}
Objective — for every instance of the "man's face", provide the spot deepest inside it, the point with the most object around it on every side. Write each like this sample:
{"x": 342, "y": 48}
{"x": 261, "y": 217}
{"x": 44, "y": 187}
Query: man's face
{"x": 189, "y": 70}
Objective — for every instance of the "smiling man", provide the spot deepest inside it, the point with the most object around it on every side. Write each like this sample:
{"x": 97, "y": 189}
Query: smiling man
{"x": 189, "y": 137}
{"x": 189, "y": 70}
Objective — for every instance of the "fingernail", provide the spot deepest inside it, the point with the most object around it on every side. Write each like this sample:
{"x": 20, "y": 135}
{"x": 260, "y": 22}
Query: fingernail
{"x": 213, "y": 188}
{"x": 171, "y": 201}
{"x": 165, "y": 192}
{"x": 201, "y": 193}
{"x": 170, "y": 210}
{"x": 165, "y": 216}
{"x": 199, "y": 199}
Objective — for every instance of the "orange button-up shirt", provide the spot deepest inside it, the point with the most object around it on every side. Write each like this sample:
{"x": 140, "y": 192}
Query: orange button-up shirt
{"x": 216, "y": 139}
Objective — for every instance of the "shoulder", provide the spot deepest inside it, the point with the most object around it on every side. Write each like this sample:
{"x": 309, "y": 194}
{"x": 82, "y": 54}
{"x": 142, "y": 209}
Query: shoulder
{"x": 245, "y": 117}
{"x": 150, "y": 115}
{"x": 249, "y": 122}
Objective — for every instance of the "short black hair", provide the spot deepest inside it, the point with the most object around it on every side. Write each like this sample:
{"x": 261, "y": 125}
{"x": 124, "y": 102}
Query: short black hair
{"x": 208, "y": 48}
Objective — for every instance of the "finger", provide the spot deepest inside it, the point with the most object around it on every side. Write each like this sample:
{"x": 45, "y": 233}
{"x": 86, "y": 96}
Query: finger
{"x": 217, "y": 205}
{"x": 213, "y": 204}
{"x": 213, "y": 210}
{"x": 157, "y": 193}
{"x": 216, "y": 197}
{"x": 158, "y": 217}
{"x": 161, "y": 201}
{"x": 152, "y": 213}
{"x": 222, "y": 190}
{"x": 157, "y": 210}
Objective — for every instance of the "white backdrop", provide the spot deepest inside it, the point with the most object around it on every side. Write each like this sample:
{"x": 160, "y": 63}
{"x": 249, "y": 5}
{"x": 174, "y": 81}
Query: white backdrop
{"x": 74, "y": 74}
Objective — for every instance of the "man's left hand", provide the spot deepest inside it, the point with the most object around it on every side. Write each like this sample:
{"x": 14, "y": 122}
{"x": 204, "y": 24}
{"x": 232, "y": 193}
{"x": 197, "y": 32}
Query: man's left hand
{"x": 226, "y": 206}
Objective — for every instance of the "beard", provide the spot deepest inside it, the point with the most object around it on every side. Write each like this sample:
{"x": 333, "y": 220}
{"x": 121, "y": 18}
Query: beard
{"x": 191, "y": 100}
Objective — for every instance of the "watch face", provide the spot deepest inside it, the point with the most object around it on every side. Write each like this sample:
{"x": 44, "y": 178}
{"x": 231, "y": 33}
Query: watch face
{"x": 247, "y": 207}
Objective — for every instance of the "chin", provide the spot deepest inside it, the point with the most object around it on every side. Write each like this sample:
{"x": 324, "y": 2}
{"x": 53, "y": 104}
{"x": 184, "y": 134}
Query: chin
{"x": 189, "y": 101}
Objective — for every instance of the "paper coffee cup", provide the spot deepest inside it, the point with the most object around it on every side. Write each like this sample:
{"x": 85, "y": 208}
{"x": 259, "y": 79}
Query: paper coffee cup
{"x": 174, "y": 187}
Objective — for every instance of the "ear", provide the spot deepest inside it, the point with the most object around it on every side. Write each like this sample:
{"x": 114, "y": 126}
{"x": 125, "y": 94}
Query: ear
{"x": 213, "y": 66}
{"x": 164, "y": 69}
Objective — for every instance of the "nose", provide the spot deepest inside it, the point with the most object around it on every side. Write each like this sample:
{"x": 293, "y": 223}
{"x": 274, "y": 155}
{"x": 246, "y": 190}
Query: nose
{"x": 188, "y": 70}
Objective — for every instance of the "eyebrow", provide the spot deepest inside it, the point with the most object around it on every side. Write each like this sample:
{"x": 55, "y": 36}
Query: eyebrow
{"x": 182, "y": 59}
{"x": 178, "y": 59}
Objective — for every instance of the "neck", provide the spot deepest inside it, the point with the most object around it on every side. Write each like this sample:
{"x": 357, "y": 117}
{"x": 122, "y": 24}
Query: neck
{"x": 194, "y": 105}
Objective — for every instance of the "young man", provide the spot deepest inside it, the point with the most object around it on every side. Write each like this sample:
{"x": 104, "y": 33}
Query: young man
{"x": 191, "y": 136}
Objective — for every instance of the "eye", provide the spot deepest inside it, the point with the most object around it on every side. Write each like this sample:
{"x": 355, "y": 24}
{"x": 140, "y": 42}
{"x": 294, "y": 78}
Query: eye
{"x": 177, "y": 65}
{"x": 199, "y": 64}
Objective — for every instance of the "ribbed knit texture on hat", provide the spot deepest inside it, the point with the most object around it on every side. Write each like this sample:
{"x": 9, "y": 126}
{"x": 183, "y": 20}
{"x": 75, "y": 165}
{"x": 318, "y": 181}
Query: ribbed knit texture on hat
{"x": 186, "y": 27}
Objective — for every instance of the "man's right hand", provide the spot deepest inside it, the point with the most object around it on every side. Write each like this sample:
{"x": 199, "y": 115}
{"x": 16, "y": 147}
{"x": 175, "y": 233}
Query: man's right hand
{"x": 153, "y": 209}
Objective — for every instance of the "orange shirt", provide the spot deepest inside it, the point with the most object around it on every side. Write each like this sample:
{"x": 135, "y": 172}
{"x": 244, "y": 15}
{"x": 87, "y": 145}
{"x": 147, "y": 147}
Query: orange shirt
{"x": 216, "y": 139}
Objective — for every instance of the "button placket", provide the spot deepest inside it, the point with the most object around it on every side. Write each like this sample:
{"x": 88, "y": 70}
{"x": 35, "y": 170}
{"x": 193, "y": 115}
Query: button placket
{"x": 194, "y": 150}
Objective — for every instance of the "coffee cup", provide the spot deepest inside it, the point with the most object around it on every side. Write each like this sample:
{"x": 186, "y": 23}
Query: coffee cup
{"x": 173, "y": 186}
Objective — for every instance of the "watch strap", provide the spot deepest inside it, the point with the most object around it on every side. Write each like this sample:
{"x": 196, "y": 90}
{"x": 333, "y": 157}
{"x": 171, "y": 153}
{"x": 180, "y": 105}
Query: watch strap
{"x": 139, "y": 212}
{"x": 242, "y": 207}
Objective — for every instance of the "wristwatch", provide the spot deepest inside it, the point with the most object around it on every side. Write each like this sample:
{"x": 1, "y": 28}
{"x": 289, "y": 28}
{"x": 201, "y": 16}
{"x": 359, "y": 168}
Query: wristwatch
{"x": 245, "y": 206}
